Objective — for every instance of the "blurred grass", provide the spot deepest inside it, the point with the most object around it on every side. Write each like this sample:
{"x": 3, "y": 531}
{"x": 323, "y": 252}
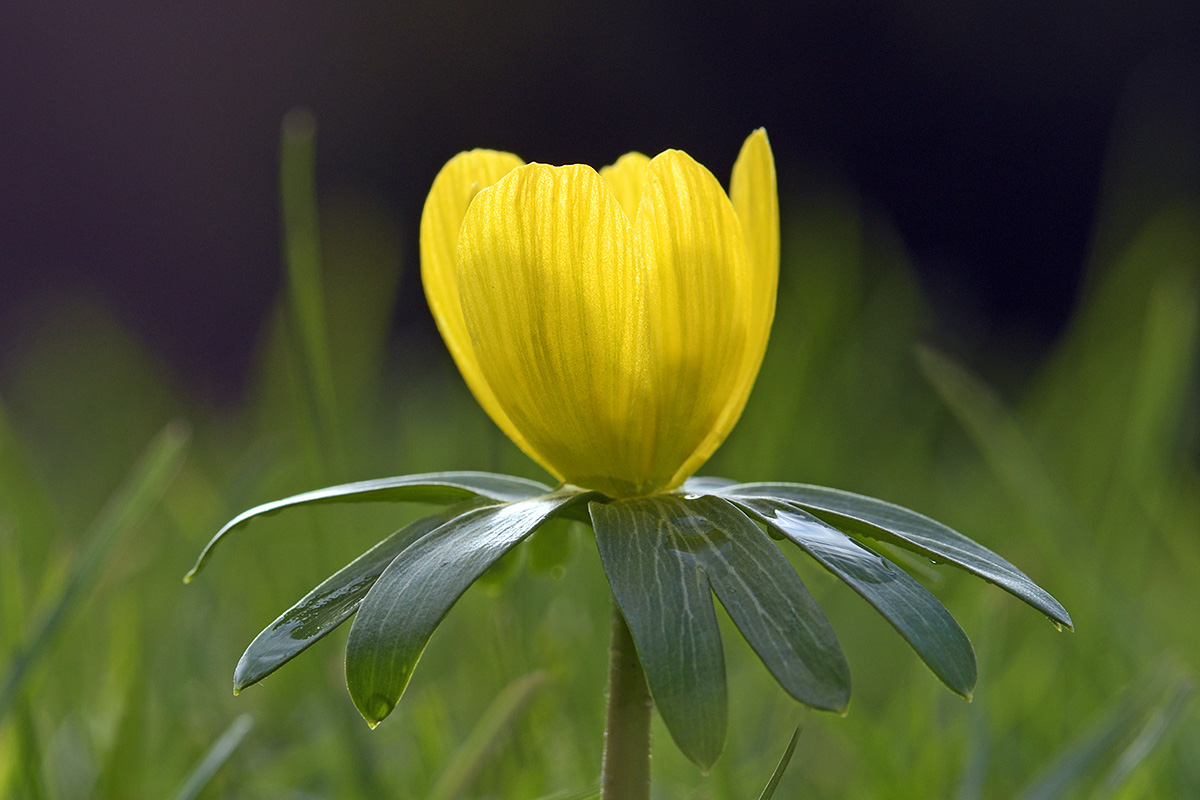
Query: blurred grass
{"x": 1081, "y": 469}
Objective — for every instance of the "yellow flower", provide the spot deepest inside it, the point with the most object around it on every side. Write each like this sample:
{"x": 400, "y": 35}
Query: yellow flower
{"x": 610, "y": 323}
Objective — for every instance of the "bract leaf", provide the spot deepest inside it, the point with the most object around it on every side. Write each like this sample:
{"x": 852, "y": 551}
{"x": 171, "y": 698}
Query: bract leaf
{"x": 878, "y": 519}
{"x": 329, "y": 605}
{"x": 410, "y": 598}
{"x": 661, "y": 555}
{"x": 915, "y": 613}
{"x": 432, "y": 487}
{"x": 667, "y": 603}
{"x": 768, "y": 602}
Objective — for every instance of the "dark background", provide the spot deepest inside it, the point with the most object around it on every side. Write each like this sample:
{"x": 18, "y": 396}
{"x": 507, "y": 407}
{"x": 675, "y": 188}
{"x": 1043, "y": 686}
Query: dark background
{"x": 138, "y": 141}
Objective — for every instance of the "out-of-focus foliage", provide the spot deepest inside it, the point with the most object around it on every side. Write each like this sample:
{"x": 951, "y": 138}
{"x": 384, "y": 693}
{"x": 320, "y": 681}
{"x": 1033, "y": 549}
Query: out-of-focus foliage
{"x": 1080, "y": 467}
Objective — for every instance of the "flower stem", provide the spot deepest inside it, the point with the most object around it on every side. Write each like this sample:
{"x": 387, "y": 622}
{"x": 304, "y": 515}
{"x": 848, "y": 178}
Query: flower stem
{"x": 625, "y": 773}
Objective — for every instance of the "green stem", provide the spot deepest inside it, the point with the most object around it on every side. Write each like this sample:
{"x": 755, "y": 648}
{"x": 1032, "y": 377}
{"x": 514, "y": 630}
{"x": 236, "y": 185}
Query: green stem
{"x": 625, "y": 774}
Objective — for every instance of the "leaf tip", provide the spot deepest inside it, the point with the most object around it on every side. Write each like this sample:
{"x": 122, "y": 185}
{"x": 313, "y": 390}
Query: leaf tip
{"x": 706, "y": 762}
{"x": 375, "y": 710}
{"x": 178, "y": 431}
{"x": 194, "y": 571}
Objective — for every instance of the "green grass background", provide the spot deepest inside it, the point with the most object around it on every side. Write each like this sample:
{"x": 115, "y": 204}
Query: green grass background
{"x": 1080, "y": 466}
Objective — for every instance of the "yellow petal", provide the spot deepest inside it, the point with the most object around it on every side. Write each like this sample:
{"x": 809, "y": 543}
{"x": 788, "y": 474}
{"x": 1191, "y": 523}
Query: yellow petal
{"x": 697, "y": 277}
{"x": 755, "y": 198}
{"x": 555, "y": 306}
{"x": 452, "y": 190}
{"x": 625, "y": 179}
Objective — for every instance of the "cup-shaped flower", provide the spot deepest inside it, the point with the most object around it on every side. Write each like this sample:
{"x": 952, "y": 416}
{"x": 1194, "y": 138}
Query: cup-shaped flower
{"x": 610, "y": 323}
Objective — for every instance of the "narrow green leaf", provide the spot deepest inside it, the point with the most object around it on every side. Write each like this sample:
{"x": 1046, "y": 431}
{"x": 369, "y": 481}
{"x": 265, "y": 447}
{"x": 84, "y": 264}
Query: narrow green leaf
{"x": 361, "y": 256}
{"x": 1083, "y": 755}
{"x": 915, "y": 613}
{"x": 583, "y": 794}
{"x": 126, "y": 689}
{"x": 495, "y": 723}
{"x": 431, "y": 487}
{"x": 302, "y": 258}
{"x": 1157, "y": 725}
{"x": 1123, "y": 736}
{"x": 23, "y": 498}
{"x": 1162, "y": 401}
{"x": 126, "y": 509}
{"x": 973, "y": 779}
{"x": 215, "y": 758}
{"x": 329, "y": 605}
{"x": 777, "y": 775}
{"x": 413, "y": 594}
{"x": 667, "y": 602}
{"x": 878, "y": 519}
{"x": 1002, "y": 440}
{"x": 29, "y": 758}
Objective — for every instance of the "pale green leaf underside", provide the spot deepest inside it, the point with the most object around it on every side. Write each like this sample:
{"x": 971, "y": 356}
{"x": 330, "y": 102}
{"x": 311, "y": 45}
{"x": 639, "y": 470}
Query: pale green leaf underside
{"x": 434, "y": 487}
{"x": 413, "y": 594}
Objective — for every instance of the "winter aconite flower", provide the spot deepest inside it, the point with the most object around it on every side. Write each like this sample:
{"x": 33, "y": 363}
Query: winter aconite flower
{"x": 611, "y": 323}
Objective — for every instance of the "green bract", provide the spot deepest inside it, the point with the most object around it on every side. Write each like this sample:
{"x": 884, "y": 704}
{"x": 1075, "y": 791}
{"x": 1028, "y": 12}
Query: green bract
{"x": 665, "y": 556}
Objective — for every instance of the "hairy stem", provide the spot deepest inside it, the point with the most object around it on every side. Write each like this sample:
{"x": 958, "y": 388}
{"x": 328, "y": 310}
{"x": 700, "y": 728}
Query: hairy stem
{"x": 625, "y": 773}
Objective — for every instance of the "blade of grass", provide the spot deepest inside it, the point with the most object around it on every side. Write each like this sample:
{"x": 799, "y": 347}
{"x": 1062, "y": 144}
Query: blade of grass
{"x": 29, "y": 764}
{"x": 129, "y": 739}
{"x": 1003, "y": 442}
{"x": 1160, "y": 389}
{"x": 26, "y": 515}
{"x": 769, "y": 791}
{"x": 1090, "y": 749}
{"x": 974, "y": 774}
{"x": 583, "y": 794}
{"x": 126, "y": 509}
{"x": 1158, "y": 724}
{"x": 22, "y": 497}
{"x": 1123, "y": 736}
{"x": 215, "y": 758}
{"x": 13, "y": 592}
{"x": 302, "y": 259}
{"x": 497, "y": 721}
